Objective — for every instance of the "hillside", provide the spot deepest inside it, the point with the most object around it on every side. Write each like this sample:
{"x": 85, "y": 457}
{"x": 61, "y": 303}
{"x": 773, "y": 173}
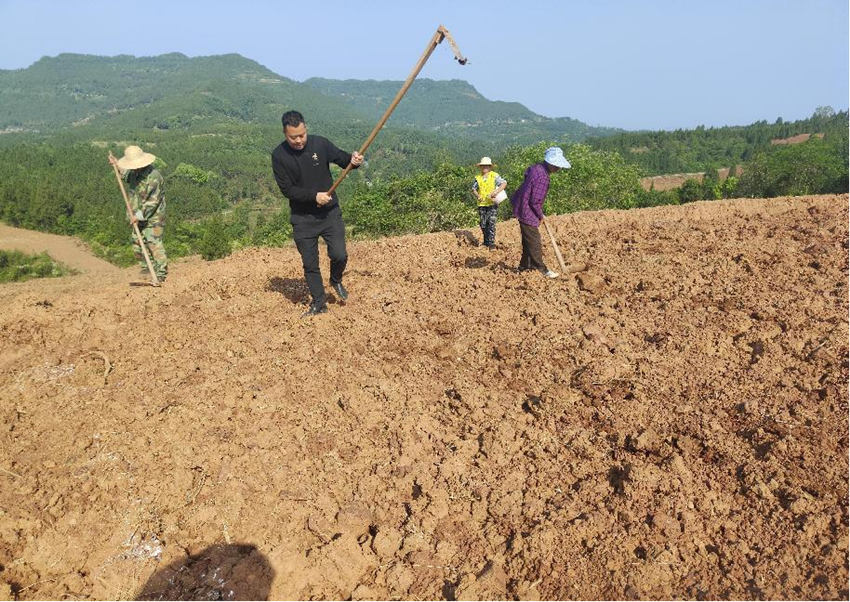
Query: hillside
{"x": 456, "y": 109}
{"x": 73, "y": 90}
{"x": 218, "y": 116}
{"x": 670, "y": 423}
{"x": 174, "y": 91}
{"x": 700, "y": 149}
{"x": 65, "y": 249}
{"x": 220, "y": 112}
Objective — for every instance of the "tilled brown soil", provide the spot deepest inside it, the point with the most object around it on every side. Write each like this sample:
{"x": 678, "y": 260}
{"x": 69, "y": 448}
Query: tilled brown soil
{"x": 670, "y": 422}
{"x": 70, "y": 251}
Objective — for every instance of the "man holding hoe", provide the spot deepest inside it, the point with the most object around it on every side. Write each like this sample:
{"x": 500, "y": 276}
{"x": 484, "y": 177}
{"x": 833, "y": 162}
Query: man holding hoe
{"x": 301, "y": 166}
{"x": 146, "y": 207}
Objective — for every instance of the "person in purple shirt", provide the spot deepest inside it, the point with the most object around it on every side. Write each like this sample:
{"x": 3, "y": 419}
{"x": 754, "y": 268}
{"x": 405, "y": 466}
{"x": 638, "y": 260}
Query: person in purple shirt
{"x": 527, "y": 203}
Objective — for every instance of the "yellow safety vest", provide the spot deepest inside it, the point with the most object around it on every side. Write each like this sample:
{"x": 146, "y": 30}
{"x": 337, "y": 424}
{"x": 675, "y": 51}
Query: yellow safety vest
{"x": 486, "y": 185}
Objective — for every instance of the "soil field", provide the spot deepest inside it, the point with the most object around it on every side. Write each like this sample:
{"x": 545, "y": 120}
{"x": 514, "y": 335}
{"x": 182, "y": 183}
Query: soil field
{"x": 669, "y": 181}
{"x": 65, "y": 249}
{"x": 799, "y": 138}
{"x": 669, "y": 421}
{"x": 676, "y": 180}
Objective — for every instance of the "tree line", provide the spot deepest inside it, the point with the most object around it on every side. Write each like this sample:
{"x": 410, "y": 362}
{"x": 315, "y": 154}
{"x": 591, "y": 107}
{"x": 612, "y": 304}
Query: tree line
{"x": 704, "y": 149}
{"x": 221, "y": 195}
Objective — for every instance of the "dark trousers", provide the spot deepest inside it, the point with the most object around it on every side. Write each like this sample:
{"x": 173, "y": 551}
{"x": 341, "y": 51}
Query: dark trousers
{"x": 306, "y": 230}
{"x": 532, "y": 249}
{"x": 487, "y": 221}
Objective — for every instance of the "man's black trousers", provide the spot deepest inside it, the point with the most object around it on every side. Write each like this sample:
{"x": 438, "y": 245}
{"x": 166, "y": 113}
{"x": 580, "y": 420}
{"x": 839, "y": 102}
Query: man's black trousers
{"x": 306, "y": 230}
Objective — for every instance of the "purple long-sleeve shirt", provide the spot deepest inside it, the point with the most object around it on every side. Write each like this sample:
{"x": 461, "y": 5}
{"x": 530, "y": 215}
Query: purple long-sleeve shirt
{"x": 528, "y": 199}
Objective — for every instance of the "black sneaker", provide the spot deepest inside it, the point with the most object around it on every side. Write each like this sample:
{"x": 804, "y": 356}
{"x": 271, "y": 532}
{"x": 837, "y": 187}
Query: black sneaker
{"x": 340, "y": 290}
{"x": 315, "y": 310}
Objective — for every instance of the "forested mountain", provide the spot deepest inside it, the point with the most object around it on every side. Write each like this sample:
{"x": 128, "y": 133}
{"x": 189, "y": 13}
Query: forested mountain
{"x": 456, "y": 108}
{"x": 125, "y": 93}
{"x": 219, "y": 114}
{"x": 74, "y": 90}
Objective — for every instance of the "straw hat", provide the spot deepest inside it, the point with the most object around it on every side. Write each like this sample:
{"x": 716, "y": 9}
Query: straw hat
{"x": 135, "y": 158}
{"x": 486, "y": 161}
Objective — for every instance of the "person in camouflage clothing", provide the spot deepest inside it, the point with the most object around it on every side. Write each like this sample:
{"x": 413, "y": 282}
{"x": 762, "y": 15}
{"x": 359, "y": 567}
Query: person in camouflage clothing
{"x": 147, "y": 200}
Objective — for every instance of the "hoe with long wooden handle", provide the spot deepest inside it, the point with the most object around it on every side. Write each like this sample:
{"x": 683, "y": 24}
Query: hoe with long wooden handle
{"x": 555, "y": 246}
{"x": 441, "y": 34}
{"x": 154, "y": 279}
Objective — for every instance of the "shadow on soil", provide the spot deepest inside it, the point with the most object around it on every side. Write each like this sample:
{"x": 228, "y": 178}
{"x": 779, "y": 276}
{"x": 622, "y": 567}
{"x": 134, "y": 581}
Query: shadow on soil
{"x": 475, "y": 262}
{"x": 294, "y": 289}
{"x": 465, "y": 238}
{"x": 219, "y": 572}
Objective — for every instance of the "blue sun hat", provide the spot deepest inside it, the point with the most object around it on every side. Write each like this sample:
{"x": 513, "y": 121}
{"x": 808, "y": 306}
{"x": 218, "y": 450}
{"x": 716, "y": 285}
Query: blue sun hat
{"x": 555, "y": 156}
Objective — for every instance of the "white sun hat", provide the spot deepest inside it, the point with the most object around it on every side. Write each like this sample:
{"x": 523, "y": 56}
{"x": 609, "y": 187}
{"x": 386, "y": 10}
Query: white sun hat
{"x": 486, "y": 161}
{"x": 555, "y": 156}
{"x": 135, "y": 158}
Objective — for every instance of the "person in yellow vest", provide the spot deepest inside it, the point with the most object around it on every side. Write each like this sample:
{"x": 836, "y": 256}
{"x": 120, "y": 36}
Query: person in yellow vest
{"x": 486, "y": 189}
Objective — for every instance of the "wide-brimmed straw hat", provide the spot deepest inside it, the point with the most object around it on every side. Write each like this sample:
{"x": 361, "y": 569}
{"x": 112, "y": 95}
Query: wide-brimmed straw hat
{"x": 555, "y": 156}
{"x": 487, "y": 161}
{"x": 135, "y": 158}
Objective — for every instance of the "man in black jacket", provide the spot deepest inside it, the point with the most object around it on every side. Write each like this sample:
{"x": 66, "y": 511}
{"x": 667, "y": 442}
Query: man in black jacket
{"x": 302, "y": 170}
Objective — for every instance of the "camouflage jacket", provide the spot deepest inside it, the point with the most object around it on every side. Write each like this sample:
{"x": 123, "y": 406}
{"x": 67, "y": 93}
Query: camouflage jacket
{"x": 144, "y": 188}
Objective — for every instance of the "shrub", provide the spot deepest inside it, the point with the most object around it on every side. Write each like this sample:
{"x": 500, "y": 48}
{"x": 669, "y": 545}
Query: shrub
{"x": 17, "y": 267}
{"x": 215, "y": 241}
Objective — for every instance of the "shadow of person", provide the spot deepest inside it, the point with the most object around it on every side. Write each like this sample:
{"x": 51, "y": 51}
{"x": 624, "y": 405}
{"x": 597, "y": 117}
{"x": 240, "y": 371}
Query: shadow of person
{"x": 219, "y": 572}
{"x": 475, "y": 262}
{"x": 465, "y": 238}
{"x": 294, "y": 289}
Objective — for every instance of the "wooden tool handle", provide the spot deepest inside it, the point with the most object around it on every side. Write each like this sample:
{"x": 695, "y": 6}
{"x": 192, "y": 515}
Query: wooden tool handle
{"x": 438, "y": 37}
{"x": 138, "y": 234}
{"x": 555, "y": 246}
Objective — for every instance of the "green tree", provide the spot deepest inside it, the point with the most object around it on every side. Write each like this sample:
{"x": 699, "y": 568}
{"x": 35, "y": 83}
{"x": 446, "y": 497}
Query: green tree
{"x": 596, "y": 179}
{"x": 711, "y": 186}
{"x": 215, "y": 242}
{"x": 196, "y": 174}
{"x": 690, "y": 191}
{"x": 814, "y": 167}
{"x": 824, "y": 113}
{"x": 730, "y": 187}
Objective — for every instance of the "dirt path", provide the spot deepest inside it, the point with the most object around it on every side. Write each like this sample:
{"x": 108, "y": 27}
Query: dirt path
{"x": 670, "y": 423}
{"x": 65, "y": 249}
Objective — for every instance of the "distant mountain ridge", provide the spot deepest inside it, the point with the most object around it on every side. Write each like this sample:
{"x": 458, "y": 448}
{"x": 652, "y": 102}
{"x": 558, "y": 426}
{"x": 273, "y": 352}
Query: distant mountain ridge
{"x": 456, "y": 108}
{"x": 174, "y": 91}
{"x": 72, "y": 90}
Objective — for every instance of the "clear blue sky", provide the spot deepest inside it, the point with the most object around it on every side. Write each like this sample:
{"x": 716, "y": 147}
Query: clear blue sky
{"x": 651, "y": 64}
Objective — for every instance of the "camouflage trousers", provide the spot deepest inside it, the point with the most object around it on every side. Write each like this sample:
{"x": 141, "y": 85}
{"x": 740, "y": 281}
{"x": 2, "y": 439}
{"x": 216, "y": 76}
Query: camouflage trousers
{"x": 152, "y": 235}
{"x": 487, "y": 221}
